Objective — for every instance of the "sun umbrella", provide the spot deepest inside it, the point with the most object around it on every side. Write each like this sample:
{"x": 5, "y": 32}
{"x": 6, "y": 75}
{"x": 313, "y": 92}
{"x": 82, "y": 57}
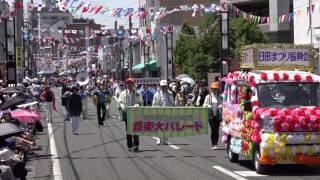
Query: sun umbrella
{"x": 188, "y": 80}
{"x": 9, "y": 129}
{"x": 24, "y": 115}
{"x": 180, "y": 76}
{"x": 13, "y": 102}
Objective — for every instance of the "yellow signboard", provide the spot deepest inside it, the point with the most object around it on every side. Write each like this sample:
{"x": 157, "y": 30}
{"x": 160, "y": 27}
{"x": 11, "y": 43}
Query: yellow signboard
{"x": 19, "y": 57}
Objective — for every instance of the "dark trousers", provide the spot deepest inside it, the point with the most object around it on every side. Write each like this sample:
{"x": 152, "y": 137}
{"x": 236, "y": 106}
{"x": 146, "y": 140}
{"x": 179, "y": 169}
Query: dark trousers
{"x": 214, "y": 125}
{"x": 101, "y": 117}
{"x": 130, "y": 138}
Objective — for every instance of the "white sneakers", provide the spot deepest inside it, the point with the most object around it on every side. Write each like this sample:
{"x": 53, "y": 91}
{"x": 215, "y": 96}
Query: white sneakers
{"x": 163, "y": 141}
{"x": 214, "y": 147}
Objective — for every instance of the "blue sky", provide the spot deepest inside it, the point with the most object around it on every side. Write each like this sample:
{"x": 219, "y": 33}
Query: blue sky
{"x": 107, "y": 19}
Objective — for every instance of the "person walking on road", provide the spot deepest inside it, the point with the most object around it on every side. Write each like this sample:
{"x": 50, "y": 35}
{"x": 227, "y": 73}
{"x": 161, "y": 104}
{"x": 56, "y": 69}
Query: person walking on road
{"x": 130, "y": 97}
{"x": 64, "y": 102}
{"x": 163, "y": 98}
{"x": 84, "y": 94}
{"x": 47, "y": 96}
{"x": 213, "y": 103}
{"x": 75, "y": 109}
{"x": 100, "y": 101}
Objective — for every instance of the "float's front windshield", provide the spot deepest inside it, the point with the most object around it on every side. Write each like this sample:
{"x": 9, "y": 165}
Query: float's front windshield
{"x": 292, "y": 94}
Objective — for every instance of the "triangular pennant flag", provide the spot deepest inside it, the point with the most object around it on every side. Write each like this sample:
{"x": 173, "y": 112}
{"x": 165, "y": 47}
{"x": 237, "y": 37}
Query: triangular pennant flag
{"x": 98, "y": 10}
{"x": 312, "y": 8}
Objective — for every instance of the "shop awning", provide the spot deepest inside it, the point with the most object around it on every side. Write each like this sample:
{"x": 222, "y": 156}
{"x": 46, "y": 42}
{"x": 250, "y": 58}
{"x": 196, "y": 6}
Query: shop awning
{"x": 140, "y": 67}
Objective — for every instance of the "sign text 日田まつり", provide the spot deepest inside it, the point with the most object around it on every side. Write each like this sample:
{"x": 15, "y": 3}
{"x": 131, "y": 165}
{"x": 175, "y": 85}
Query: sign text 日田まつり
{"x": 167, "y": 121}
{"x": 278, "y": 57}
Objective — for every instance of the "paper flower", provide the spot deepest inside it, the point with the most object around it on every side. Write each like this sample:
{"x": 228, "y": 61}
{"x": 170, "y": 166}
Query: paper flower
{"x": 276, "y": 76}
{"x": 264, "y": 76}
{"x": 285, "y": 76}
{"x": 309, "y": 78}
{"x": 297, "y": 77}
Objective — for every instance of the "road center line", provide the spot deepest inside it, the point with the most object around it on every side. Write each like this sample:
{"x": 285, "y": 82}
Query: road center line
{"x": 54, "y": 155}
{"x": 229, "y": 173}
{"x": 169, "y": 144}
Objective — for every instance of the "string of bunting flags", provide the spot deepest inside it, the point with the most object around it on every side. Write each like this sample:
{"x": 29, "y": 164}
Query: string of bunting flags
{"x": 284, "y": 18}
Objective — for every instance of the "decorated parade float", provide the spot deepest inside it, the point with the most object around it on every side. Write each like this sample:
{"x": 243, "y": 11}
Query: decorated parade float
{"x": 271, "y": 109}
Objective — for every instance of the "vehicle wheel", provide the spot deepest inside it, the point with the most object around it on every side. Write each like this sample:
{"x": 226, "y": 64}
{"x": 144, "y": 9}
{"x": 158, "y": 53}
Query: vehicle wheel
{"x": 233, "y": 157}
{"x": 258, "y": 167}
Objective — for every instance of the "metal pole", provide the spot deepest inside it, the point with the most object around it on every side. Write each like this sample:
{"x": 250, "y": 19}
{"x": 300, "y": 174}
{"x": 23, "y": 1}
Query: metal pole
{"x": 167, "y": 57}
{"x": 130, "y": 48}
{"x": 310, "y": 23}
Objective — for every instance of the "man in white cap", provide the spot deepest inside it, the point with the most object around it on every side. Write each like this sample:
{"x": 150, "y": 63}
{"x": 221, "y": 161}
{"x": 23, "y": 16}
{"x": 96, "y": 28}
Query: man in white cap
{"x": 163, "y": 98}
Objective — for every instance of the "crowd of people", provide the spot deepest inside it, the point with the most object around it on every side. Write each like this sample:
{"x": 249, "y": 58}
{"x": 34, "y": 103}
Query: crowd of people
{"x": 18, "y": 131}
{"x": 128, "y": 93}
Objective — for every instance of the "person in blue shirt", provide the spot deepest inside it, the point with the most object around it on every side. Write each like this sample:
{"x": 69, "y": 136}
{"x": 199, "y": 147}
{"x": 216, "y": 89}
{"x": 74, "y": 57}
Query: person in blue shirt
{"x": 100, "y": 101}
{"x": 147, "y": 96}
{"x": 84, "y": 94}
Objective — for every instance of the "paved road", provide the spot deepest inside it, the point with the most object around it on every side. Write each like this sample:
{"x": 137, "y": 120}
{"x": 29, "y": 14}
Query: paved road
{"x": 101, "y": 154}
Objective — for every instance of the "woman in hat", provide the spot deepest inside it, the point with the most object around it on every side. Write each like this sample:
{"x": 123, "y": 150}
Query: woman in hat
{"x": 213, "y": 103}
{"x": 163, "y": 98}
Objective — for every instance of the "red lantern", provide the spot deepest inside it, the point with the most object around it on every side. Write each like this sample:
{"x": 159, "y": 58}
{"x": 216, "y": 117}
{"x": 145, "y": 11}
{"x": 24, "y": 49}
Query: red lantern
{"x": 276, "y": 77}
{"x": 297, "y": 77}
{"x": 264, "y": 76}
{"x": 285, "y": 76}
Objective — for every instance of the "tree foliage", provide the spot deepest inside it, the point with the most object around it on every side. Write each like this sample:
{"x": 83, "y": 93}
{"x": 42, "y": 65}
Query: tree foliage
{"x": 198, "y": 53}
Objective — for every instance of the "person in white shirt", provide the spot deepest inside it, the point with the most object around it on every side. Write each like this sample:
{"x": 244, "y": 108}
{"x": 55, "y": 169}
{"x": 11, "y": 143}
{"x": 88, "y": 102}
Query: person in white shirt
{"x": 213, "y": 103}
{"x": 163, "y": 98}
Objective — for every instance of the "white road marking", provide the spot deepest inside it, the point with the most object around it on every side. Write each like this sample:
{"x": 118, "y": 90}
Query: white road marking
{"x": 229, "y": 173}
{"x": 169, "y": 144}
{"x": 57, "y": 175}
{"x": 249, "y": 173}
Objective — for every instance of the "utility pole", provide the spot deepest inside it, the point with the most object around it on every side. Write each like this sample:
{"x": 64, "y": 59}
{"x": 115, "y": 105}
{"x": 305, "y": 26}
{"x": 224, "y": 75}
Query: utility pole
{"x": 116, "y": 40}
{"x": 224, "y": 43}
{"x": 130, "y": 48}
{"x": 169, "y": 46}
{"x": 10, "y": 51}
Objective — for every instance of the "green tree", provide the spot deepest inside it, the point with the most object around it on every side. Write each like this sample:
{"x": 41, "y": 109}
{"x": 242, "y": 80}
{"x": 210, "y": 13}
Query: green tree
{"x": 243, "y": 32}
{"x": 186, "y": 47}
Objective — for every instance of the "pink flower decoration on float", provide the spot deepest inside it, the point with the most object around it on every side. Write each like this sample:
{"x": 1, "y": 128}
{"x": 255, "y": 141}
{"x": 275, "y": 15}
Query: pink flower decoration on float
{"x": 309, "y": 78}
{"x": 297, "y": 77}
{"x": 264, "y": 76}
{"x": 276, "y": 76}
{"x": 285, "y": 76}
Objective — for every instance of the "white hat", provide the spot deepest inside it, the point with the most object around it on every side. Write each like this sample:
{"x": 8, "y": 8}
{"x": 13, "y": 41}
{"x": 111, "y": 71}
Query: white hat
{"x": 6, "y": 154}
{"x": 163, "y": 83}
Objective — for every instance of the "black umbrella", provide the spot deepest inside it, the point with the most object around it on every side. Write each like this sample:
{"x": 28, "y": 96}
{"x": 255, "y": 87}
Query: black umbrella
{"x": 13, "y": 102}
{"x": 9, "y": 129}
